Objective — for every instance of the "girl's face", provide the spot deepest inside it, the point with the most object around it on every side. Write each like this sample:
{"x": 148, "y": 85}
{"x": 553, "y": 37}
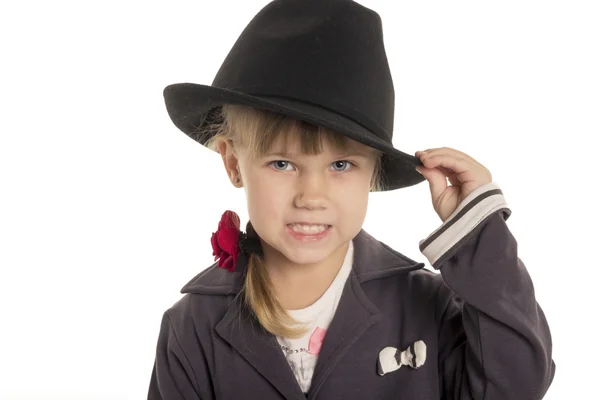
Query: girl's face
{"x": 304, "y": 207}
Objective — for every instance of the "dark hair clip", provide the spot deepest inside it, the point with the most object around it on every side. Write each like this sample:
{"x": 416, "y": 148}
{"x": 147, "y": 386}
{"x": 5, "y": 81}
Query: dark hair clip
{"x": 249, "y": 242}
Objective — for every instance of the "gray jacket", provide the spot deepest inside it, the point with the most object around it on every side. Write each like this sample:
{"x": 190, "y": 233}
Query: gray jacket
{"x": 486, "y": 336}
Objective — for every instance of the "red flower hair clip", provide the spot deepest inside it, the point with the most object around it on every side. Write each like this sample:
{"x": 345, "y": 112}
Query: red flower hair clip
{"x": 228, "y": 242}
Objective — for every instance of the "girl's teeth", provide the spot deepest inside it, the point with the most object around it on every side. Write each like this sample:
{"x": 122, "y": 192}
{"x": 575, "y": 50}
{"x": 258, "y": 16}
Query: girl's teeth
{"x": 311, "y": 229}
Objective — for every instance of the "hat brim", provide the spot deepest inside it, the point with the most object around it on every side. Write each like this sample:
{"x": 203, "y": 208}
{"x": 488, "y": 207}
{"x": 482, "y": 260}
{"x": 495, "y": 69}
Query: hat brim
{"x": 188, "y": 105}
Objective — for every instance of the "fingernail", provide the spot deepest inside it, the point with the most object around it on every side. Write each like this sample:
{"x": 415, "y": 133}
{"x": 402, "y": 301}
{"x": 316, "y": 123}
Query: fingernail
{"x": 417, "y": 169}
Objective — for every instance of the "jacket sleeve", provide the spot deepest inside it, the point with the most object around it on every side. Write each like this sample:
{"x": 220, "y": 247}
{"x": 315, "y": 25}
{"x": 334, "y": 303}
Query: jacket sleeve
{"x": 494, "y": 340}
{"x": 172, "y": 377}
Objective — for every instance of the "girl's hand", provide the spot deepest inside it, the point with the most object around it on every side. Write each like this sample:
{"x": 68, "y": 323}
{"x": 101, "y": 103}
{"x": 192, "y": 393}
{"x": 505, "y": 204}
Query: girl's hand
{"x": 464, "y": 173}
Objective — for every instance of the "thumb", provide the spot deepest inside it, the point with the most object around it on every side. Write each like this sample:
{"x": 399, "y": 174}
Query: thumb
{"x": 437, "y": 181}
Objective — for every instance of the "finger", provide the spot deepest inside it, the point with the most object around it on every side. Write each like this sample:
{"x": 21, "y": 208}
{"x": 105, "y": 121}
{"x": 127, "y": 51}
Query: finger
{"x": 458, "y": 165}
{"x": 478, "y": 170}
{"x": 451, "y": 175}
{"x": 451, "y": 151}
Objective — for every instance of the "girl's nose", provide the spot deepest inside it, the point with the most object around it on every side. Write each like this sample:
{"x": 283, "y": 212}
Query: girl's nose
{"x": 311, "y": 191}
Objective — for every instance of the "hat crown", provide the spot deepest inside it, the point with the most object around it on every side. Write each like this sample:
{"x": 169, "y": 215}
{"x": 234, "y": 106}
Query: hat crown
{"x": 328, "y": 53}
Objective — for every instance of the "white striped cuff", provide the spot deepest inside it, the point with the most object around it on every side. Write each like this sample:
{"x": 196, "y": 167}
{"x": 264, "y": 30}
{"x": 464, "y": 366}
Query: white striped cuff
{"x": 472, "y": 211}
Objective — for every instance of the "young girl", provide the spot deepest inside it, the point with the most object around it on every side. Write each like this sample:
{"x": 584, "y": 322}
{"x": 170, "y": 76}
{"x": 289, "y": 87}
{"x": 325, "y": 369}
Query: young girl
{"x": 305, "y": 303}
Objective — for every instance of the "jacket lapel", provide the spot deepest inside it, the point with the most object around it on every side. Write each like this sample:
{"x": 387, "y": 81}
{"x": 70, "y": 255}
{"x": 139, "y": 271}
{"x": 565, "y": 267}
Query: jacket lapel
{"x": 259, "y": 347}
{"x": 355, "y": 312}
{"x": 354, "y": 315}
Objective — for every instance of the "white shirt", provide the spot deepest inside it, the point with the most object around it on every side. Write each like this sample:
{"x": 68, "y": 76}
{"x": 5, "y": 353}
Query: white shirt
{"x": 302, "y": 353}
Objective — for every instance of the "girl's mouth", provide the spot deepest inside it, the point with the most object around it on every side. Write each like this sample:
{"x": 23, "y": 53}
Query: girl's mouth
{"x": 308, "y": 232}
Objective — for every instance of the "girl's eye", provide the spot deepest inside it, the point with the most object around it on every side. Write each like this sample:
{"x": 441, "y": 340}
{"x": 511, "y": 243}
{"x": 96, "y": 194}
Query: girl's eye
{"x": 341, "y": 165}
{"x": 280, "y": 164}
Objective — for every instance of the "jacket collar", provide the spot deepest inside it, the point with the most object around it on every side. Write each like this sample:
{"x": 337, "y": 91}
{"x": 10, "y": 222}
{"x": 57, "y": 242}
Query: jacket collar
{"x": 372, "y": 260}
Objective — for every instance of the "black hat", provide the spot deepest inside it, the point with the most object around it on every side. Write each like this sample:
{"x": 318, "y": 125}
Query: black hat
{"x": 320, "y": 61}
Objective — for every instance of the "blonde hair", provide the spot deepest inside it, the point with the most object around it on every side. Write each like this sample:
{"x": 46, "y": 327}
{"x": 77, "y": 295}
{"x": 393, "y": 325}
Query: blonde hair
{"x": 257, "y": 130}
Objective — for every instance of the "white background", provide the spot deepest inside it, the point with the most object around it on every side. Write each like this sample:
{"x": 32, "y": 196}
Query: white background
{"x": 106, "y": 209}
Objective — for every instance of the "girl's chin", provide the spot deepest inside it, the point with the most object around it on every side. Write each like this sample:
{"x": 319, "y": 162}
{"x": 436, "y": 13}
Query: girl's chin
{"x": 301, "y": 256}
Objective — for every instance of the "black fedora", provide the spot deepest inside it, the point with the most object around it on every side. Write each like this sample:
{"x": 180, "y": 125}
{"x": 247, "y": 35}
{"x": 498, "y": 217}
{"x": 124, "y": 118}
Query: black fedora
{"x": 321, "y": 61}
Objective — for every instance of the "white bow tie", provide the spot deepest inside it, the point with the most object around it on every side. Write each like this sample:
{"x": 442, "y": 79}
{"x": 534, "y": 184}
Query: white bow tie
{"x": 391, "y": 358}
